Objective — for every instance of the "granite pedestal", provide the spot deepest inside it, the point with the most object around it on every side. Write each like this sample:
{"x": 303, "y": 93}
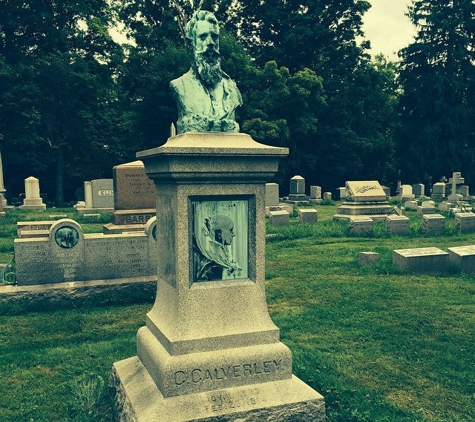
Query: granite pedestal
{"x": 209, "y": 350}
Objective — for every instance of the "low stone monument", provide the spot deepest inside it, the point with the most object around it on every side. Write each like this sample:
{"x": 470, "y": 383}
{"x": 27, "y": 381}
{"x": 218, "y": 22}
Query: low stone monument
{"x": 32, "y": 199}
{"x": 462, "y": 258}
{"x": 421, "y": 260}
{"x": 361, "y": 224}
{"x": 368, "y": 258}
{"x": 433, "y": 224}
{"x": 465, "y": 222}
{"x": 279, "y": 218}
{"x": 55, "y": 252}
{"x": 364, "y": 198}
{"x": 209, "y": 350}
{"x": 308, "y": 215}
{"x": 397, "y": 225}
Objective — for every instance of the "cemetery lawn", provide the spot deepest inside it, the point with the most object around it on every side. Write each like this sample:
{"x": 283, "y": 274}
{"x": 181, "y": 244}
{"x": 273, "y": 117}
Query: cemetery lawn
{"x": 379, "y": 344}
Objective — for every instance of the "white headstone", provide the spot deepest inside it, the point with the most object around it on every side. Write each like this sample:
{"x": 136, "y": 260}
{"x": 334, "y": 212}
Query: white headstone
{"x": 32, "y": 199}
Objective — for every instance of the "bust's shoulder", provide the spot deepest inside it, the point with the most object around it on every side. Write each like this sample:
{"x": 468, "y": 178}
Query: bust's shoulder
{"x": 182, "y": 80}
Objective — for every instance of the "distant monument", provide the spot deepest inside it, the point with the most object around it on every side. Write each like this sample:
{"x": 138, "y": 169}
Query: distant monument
{"x": 206, "y": 96}
{"x": 364, "y": 198}
{"x": 209, "y": 350}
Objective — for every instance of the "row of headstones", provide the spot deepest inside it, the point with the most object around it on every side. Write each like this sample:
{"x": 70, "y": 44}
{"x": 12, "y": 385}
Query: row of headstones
{"x": 395, "y": 224}
{"x": 428, "y": 260}
{"x": 433, "y": 260}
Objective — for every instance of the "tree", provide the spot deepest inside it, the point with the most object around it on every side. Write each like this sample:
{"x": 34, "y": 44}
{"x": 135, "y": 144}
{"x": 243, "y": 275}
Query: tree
{"x": 437, "y": 75}
{"x": 322, "y": 36}
{"x": 63, "y": 61}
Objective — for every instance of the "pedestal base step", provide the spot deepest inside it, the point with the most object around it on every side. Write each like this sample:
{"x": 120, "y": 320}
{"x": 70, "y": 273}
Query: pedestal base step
{"x": 139, "y": 400}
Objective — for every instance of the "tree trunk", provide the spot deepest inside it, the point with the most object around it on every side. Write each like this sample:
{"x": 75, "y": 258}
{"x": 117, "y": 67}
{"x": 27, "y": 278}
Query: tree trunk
{"x": 59, "y": 199}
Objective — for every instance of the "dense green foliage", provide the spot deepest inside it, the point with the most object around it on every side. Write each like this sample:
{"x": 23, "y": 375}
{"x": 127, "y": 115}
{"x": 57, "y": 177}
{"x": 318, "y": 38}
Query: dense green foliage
{"x": 437, "y": 74}
{"x": 380, "y": 345}
{"x": 74, "y": 103}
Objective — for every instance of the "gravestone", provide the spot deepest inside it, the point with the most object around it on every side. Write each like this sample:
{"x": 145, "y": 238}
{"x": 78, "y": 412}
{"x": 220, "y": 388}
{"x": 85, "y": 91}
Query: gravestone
{"x": 406, "y": 193}
{"x": 397, "y": 224}
{"x": 32, "y": 199}
{"x": 361, "y": 224}
{"x": 433, "y": 224}
{"x": 368, "y": 258}
{"x": 297, "y": 188}
{"x": 454, "y": 181}
{"x": 198, "y": 358}
{"x": 315, "y": 193}
{"x": 297, "y": 191}
{"x": 464, "y": 190}
{"x": 418, "y": 190}
{"x": 465, "y": 222}
{"x": 134, "y": 196}
{"x": 307, "y": 215}
{"x": 2, "y": 213}
{"x": 102, "y": 194}
{"x": 272, "y": 195}
{"x": 279, "y": 218}
{"x": 88, "y": 194}
{"x": 341, "y": 193}
{"x": 425, "y": 209}
{"x": 421, "y": 260}
{"x": 462, "y": 258}
{"x": 364, "y": 198}
{"x": 58, "y": 251}
{"x": 327, "y": 196}
{"x": 411, "y": 205}
{"x": 438, "y": 191}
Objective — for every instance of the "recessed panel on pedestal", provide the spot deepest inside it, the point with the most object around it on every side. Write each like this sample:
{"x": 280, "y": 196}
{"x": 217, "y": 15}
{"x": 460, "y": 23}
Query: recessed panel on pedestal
{"x": 220, "y": 239}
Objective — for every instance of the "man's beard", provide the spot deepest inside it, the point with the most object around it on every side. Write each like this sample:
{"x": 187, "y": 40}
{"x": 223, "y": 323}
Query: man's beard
{"x": 208, "y": 66}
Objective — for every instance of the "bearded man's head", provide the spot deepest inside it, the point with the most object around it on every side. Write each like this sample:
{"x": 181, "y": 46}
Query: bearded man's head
{"x": 202, "y": 34}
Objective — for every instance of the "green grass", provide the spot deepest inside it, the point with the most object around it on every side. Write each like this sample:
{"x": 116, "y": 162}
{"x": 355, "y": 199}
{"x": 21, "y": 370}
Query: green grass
{"x": 379, "y": 344}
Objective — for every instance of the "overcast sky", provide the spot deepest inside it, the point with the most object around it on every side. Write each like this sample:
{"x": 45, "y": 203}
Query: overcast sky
{"x": 386, "y": 26}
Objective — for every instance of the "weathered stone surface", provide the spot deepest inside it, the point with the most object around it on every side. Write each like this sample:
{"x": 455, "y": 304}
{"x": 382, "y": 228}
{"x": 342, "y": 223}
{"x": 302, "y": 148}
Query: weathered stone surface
{"x": 307, "y": 215}
{"x": 462, "y": 258}
{"x": 102, "y": 194}
{"x": 279, "y": 218}
{"x": 397, "y": 224}
{"x": 78, "y": 293}
{"x": 200, "y": 355}
{"x": 368, "y": 258}
{"x": 364, "y": 191}
{"x": 465, "y": 222}
{"x": 272, "y": 195}
{"x": 64, "y": 253}
{"x": 361, "y": 224}
{"x": 421, "y": 260}
{"x": 133, "y": 190}
{"x": 433, "y": 224}
{"x": 139, "y": 400}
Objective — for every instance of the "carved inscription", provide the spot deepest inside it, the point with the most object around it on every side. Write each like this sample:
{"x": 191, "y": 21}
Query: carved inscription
{"x": 219, "y": 401}
{"x": 105, "y": 192}
{"x": 363, "y": 189}
{"x": 135, "y": 219}
{"x": 203, "y": 375}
